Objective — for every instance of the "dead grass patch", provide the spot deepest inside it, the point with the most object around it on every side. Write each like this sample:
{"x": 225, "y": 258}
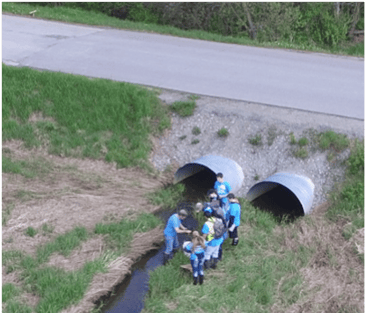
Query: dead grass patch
{"x": 334, "y": 276}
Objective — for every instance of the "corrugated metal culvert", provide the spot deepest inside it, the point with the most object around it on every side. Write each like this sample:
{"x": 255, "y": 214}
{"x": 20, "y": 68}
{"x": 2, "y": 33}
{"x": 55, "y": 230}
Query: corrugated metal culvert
{"x": 283, "y": 194}
{"x": 207, "y": 167}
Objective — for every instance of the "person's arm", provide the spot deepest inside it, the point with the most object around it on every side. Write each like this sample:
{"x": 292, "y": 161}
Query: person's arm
{"x": 182, "y": 231}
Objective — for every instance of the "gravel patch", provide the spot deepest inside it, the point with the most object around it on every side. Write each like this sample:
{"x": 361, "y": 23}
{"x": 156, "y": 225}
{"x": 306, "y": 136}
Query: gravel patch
{"x": 247, "y": 121}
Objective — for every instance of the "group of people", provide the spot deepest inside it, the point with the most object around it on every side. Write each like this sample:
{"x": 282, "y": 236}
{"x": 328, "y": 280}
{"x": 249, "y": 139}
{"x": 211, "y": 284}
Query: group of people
{"x": 222, "y": 214}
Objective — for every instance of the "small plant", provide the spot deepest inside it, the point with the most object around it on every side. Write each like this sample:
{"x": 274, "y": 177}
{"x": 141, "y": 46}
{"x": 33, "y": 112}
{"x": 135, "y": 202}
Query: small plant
{"x": 330, "y": 139}
{"x": 31, "y": 232}
{"x": 183, "y": 108}
{"x": 47, "y": 229}
{"x": 256, "y": 177}
{"x": 196, "y": 131}
{"x": 301, "y": 153}
{"x": 256, "y": 140}
{"x": 223, "y": 132}
{"x": 292, "y": 139}
{"x": 303, "y": 142}
{"x": 272, "y": 134}
{"x": 193, "y": 97}
{"x": 195, "y": 141}
{"x": 182, "y": 137}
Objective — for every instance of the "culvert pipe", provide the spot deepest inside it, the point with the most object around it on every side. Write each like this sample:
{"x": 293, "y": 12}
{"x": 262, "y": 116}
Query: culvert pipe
{"x": 207, "y": 167}
{"x": 284, "y": 193}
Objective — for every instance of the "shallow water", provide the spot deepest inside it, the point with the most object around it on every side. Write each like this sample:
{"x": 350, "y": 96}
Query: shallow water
{"x": 129, "y": 295}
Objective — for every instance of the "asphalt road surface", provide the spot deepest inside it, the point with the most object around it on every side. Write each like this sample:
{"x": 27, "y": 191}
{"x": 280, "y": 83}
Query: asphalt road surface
{"x": 306, "y": 81}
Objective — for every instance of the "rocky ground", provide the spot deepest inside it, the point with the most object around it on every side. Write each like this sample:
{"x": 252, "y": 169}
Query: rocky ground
{"x": 245, "y": 121}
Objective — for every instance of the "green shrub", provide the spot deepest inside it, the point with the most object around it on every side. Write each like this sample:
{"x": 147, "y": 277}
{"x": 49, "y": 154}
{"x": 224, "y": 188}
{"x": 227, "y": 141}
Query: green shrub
{"x": 256, "y": 140}
{"x": 183, "y": 108}
{"x": 31, "y": 232}
{"x": 303, "y": 141}
{"x": 332, "y": 140}
{"x": 196, "y": 131}
{"x": 223, "y": 132}
{"x": 195, "y": 141}
{"x": 356, "y": 160}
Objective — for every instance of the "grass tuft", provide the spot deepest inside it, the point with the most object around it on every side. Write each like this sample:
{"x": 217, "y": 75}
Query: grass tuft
{"x": 183, "y": 108}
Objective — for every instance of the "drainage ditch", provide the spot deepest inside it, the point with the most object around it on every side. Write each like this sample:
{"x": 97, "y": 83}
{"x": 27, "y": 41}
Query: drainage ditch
{"x": 282, "y": 194}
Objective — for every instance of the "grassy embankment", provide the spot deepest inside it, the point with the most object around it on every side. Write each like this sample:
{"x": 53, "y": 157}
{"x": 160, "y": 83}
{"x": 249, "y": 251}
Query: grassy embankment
{"x": 266, "y": 271}
{"x": 79, "y": 117}
{"x": 70, "y": 15}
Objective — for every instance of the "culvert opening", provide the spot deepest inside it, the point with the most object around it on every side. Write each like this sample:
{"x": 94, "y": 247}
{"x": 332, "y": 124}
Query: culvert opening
{"x": 280, "y": 201}
{"x": 198, "y": 184}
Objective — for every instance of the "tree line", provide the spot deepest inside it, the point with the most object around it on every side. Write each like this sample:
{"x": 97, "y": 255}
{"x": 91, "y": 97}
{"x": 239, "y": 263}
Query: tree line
{"x": 319, "y": 23}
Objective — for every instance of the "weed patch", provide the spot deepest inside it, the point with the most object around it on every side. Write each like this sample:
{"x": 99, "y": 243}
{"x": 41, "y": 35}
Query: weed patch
{"x": 223, "y": 132}
{"x": 183, "y": 108}
{"x": 256, "y": 140}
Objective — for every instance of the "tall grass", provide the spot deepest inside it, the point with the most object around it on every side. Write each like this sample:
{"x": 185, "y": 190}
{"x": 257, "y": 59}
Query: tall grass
{"x": 78, "y": 116}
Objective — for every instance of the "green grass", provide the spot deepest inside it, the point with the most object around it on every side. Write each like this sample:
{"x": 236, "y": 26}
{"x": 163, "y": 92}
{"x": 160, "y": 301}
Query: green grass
{"x": 31, "y": 232}
{"x": 183, "y": 108}
{"x": 120, "y": 234}
{"x": 63, "y": 244}
{"x": 28, "y": 169}
{"x": 71, "y": 15}
{"x": 79, "y": 117}
{"x": 332, "y": 140}
{"x": 167, "y": 197}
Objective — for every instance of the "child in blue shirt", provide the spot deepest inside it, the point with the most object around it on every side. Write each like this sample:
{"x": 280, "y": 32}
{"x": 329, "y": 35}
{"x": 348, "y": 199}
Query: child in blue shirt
{"x": 235, "y": 215}
{"x": 223, "y": 189}
{"x": 213, "y": 244}
{"x": 173, "y": 228}
{"x": 196, "y": 248}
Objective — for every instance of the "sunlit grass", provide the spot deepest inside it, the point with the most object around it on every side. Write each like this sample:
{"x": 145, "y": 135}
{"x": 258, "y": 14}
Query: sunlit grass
{"x": 80, "y": 117}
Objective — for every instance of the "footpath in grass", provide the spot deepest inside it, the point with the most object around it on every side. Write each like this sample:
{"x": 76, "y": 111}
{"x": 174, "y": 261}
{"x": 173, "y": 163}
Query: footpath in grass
{"x": 80, "y": 117}
{"x": 280, "y": 267}
{"x": 77, "y": 15}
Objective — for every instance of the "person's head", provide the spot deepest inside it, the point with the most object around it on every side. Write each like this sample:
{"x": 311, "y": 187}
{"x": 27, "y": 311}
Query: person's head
{"x": 232, "y": 198}
{"x": 199, "y": 206}
{"x": 212, "y": 194}
{"x": 208, "y": 212}
{"x": 220, "y": 177}
{"x": 182, "y": 214}
{"x": 197, "y": 240}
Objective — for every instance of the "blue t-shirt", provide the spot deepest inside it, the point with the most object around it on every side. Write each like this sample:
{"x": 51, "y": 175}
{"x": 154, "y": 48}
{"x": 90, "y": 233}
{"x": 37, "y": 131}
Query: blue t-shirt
{"x": 236, "y": 212}
{"x": 214, "y": 242}
{"x": 173, "y": 222}
{"x": 198, "y": 250}
{"x": 222, "y": 189}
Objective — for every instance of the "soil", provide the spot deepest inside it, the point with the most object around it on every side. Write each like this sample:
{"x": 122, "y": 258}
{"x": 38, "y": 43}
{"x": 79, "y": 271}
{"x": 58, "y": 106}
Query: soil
{"x": 74, "y": 192}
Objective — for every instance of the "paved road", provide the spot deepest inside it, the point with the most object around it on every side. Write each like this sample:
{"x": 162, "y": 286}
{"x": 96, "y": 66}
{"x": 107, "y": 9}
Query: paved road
{"x": 306, "y": 81}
